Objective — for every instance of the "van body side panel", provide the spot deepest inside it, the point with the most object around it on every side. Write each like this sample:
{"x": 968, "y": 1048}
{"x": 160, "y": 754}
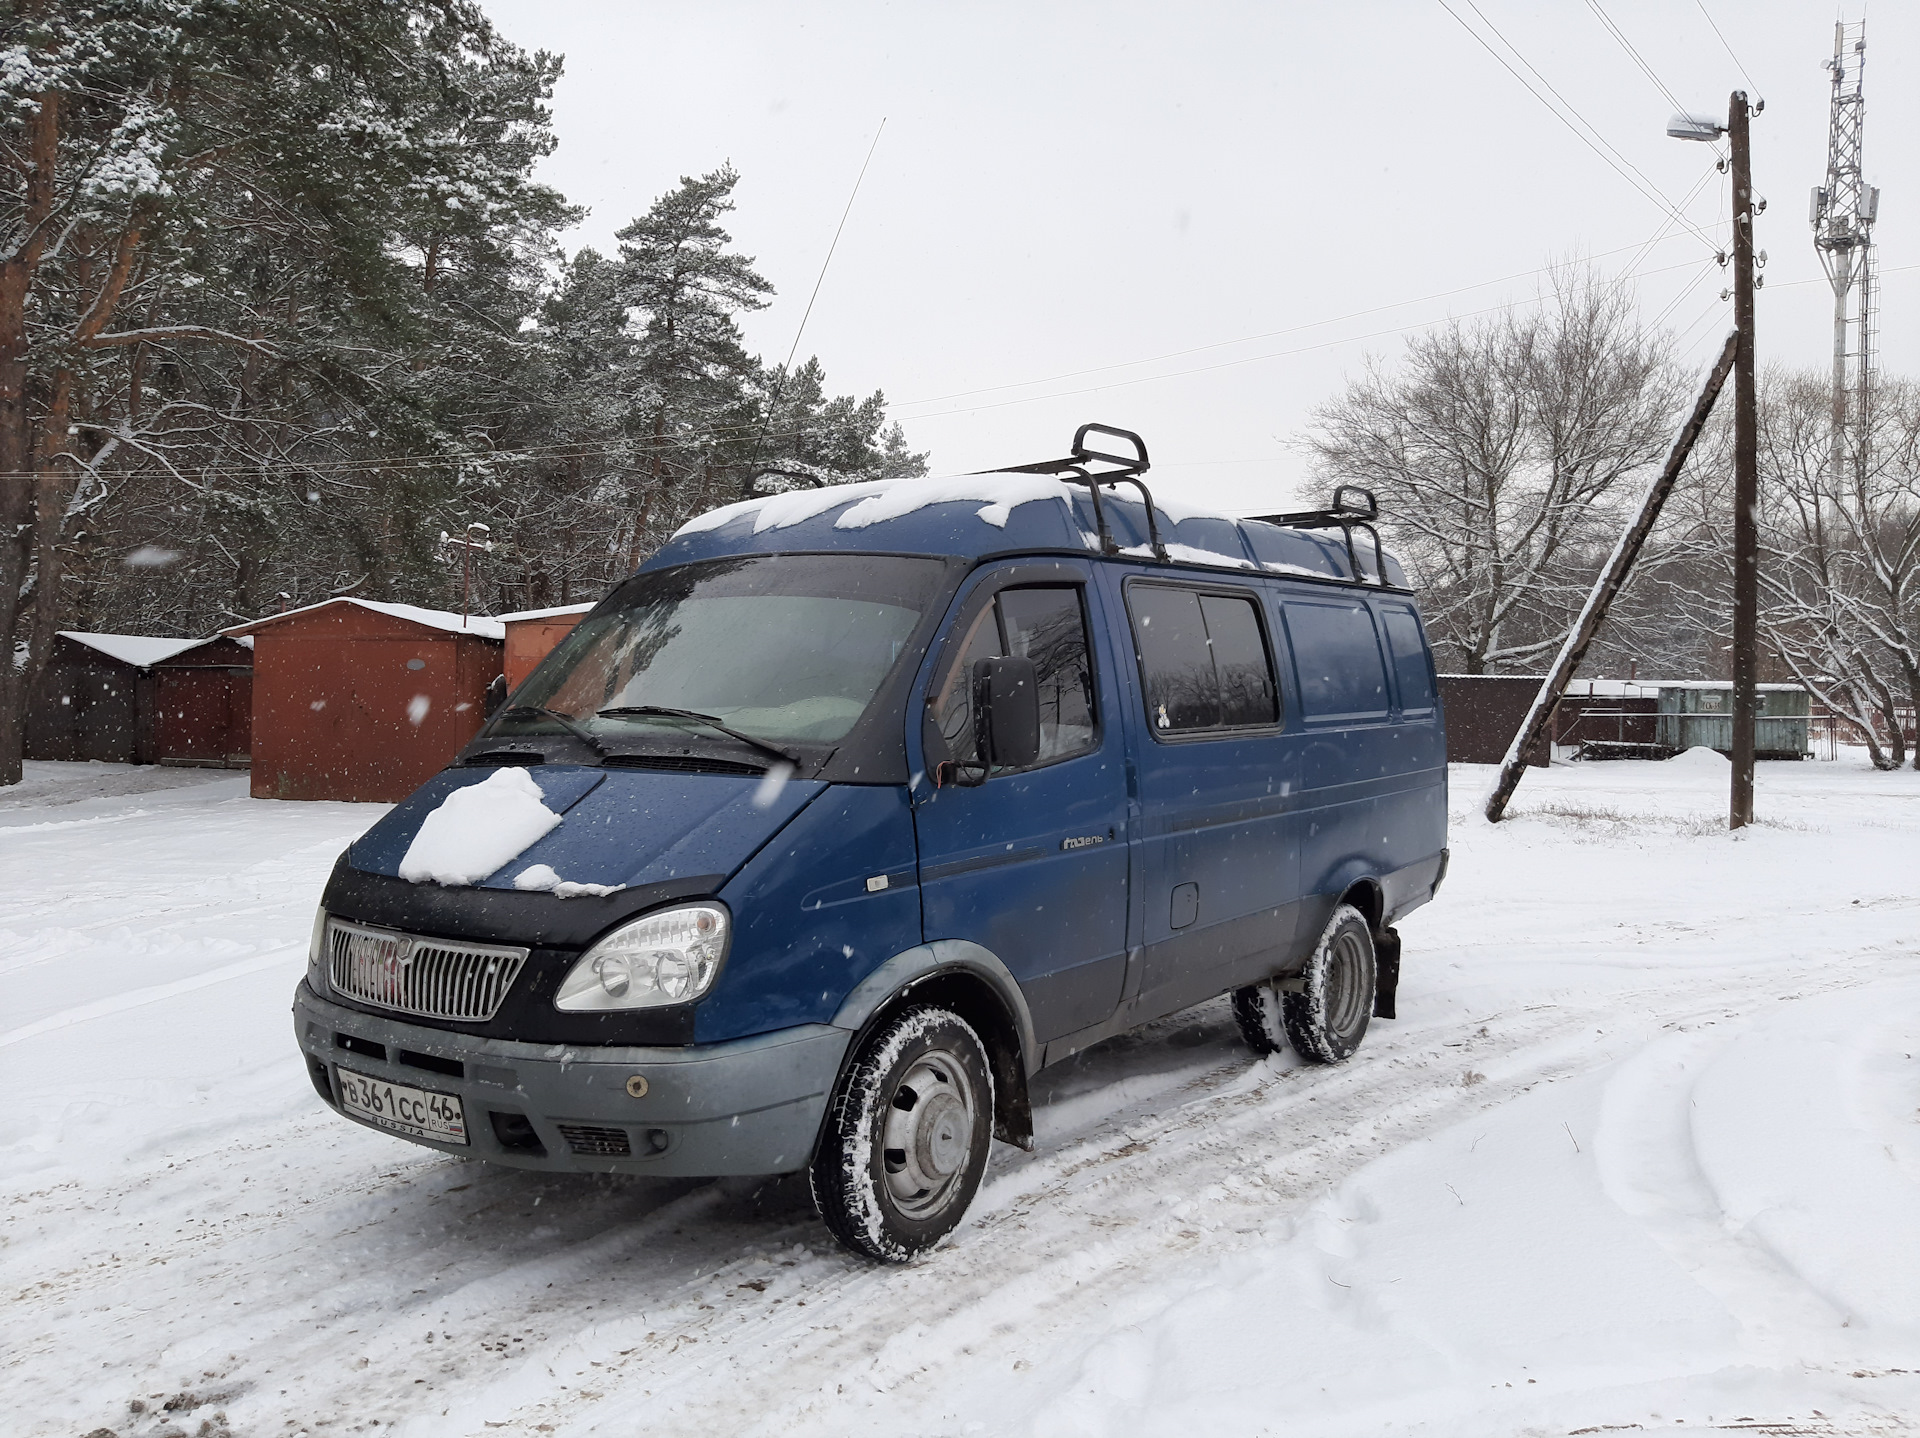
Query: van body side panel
{"x": 811, "y": 916}
{"x": 1033, "y": 865}
{"x": 1373, "y": 782}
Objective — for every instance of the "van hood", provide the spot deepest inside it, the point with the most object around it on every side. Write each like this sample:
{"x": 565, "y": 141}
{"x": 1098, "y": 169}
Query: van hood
{"x": 625, "y": 827}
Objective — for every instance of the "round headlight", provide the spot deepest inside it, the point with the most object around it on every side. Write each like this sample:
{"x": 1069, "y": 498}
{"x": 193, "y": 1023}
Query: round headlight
{"x": 668, "y": 957}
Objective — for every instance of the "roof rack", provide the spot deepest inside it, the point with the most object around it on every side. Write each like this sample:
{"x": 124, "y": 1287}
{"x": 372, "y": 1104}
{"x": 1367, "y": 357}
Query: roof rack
{"x": 1345, "y": 515}
{"x": 1127, "y": 470}
{"x": 763, "y": 471}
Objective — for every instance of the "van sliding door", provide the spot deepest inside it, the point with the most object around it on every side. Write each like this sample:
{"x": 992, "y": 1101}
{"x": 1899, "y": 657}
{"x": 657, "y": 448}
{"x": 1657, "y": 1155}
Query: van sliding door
{"x": 1219, "y": 849}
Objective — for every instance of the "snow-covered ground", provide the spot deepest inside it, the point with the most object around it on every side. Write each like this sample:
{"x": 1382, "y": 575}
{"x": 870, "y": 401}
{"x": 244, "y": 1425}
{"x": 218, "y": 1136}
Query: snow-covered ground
{"x": 1642, "y": 1152}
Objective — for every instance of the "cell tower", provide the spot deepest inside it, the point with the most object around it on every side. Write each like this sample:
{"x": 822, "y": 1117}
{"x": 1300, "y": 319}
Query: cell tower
{"x": 1843, "y": 213}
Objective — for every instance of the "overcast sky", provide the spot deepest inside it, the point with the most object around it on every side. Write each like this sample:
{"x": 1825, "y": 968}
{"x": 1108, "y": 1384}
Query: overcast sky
{"x": 1198, "y": 220}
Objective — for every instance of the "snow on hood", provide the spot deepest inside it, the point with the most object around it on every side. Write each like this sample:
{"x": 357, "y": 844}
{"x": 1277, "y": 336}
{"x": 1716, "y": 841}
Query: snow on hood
{"x": 478, "y": 829}
{"x": 616, "y": 827}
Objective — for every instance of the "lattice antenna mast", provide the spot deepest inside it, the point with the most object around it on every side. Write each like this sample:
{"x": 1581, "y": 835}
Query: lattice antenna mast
{"x": 1843, "y": 212}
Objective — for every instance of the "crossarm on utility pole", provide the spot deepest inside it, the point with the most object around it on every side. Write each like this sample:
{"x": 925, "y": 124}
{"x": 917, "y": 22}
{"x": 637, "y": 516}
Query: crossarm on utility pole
{"x": 1611, "y": 581}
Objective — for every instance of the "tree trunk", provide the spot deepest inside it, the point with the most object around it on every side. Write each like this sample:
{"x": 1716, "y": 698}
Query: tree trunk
{"x": 16, "y": 428}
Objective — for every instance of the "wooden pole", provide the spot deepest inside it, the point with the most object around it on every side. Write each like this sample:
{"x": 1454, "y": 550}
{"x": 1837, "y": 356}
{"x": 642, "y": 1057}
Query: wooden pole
{"x": 1746, "y": 478}
{"x": 1611, "y": 581}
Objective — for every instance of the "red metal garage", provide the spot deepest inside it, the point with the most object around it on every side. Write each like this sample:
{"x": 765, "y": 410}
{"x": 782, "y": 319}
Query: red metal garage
{"x": 531, "y": 635}
{"x": 364, "y": 701}
{"x": 94, "y": 700}
{"x": 203, "y": 705}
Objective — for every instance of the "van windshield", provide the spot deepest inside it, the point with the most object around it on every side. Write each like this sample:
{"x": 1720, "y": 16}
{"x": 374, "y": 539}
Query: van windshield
{"x": 787, "y": 649}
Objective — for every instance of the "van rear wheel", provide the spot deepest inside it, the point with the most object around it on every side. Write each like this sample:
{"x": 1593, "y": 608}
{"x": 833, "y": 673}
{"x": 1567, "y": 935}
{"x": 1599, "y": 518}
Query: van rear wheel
{"x": 1326, "y": 1019}
{"x": 1323, "y": 1011}
{"x": 906, "y": 1137}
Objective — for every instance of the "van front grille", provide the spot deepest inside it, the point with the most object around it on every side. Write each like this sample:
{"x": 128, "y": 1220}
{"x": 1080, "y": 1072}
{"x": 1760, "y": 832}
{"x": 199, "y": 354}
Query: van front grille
{"x": 597, "y": 1142}
{"x": 433, "y": 978}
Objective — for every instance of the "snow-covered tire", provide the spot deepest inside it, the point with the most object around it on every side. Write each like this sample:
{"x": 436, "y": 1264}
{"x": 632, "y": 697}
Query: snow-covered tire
{"x": 906, "y": 1137}
{"x": 1326, "y": 1019}
{"x": 1256, "y": 1009}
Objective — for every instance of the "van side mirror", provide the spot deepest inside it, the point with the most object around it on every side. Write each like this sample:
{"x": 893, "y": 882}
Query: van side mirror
{"x": 1006, "y": 712}
{"x": 496, "y": 695}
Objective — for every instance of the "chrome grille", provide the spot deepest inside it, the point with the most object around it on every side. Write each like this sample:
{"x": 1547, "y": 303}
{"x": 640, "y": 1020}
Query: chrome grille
{"x": 434, "y": 978}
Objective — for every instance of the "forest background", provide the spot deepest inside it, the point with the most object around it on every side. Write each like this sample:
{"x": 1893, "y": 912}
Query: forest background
{"x": 282, "y": 307}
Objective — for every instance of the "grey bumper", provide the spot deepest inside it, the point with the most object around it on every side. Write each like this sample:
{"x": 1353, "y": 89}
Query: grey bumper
{"x": 750, "y": 1106}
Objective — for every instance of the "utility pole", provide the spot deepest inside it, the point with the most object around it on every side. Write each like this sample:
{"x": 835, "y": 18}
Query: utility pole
{"x": 1842, "y": 213}
{"x": 467, "y": 544}
{"x": 1746, "y": 476}
{"x": 1746, "y": 447}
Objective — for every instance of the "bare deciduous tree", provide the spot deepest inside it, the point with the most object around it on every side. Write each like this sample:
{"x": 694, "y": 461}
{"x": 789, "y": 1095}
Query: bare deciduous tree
{"x": 1841, "y": 570}
{"x": 1498, "y": 452}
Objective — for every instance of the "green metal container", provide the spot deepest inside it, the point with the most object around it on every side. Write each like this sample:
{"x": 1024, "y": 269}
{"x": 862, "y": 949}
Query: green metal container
{"x": 1701, "y": 714}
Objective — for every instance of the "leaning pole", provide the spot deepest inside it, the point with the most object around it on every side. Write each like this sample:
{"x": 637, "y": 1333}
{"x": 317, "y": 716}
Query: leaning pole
{"x": 1611, "y": 581}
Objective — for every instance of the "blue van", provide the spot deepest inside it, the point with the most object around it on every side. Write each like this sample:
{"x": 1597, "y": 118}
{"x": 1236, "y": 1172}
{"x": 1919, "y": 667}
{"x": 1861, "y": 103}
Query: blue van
{"x": 858, "y": 805}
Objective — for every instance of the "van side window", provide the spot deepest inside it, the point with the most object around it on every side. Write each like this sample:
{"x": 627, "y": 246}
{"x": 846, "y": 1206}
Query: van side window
{"x": 1203, "y": 660}
{"x": 1044, "y": 624}
{"x": 1337, "y": 653}
{"x": 1410, "y": 664}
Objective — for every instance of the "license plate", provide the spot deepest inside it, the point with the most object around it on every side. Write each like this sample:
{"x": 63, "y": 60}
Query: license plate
{"x": 418, "y": 1112}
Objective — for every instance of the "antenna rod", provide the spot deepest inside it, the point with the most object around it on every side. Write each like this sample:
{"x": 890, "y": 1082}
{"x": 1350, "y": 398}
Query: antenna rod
{"x": 785, "y": 369}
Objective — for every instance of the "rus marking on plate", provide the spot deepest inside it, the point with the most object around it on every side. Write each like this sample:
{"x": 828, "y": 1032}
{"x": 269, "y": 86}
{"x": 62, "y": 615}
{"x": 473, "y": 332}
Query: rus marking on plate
{"x": 1084, "y": 841}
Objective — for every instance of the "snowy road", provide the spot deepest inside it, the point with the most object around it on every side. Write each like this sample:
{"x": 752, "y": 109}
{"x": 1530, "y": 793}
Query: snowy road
{"x": 1642, "y": 1152}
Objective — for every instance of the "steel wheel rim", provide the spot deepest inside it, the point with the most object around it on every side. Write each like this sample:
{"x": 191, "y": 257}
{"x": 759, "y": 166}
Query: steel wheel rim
{"x": 927, "y": 1136}
{"x": 1346, "y": 969}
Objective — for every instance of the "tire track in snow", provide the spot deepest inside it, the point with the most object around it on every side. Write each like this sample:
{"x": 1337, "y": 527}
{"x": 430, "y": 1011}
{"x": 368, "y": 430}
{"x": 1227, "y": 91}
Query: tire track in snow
{"x": 139, "y": 998}
{"x": 1278, "y": 1143}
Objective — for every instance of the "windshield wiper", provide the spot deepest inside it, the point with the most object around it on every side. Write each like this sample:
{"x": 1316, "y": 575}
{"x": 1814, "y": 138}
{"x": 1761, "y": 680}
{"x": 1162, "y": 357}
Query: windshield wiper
{"x": 565, "y": 721}
{"x": 785, "y": 756}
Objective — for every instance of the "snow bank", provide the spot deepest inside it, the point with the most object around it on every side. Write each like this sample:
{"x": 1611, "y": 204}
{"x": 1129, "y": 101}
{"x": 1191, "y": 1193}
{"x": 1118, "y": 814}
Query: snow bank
{"x": 1702, "y": 758}
{"x": 478, "y": 829}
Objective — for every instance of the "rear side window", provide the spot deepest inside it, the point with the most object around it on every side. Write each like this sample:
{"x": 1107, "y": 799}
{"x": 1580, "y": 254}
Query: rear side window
{"x": 1203, "y": 660}
{"x": 1338, "y": 655}
{"x": 1410, "y": 665}
{"x": 1046, "y": 625}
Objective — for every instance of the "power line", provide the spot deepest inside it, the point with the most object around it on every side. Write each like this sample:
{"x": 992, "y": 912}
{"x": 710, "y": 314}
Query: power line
{"x": 1730, "y": 55}
{"x": 1642, "y": 247}
{"x": 1255, "y": 359}
{"x": 1633, "y": 54}
{"x": 1647, "y": 189}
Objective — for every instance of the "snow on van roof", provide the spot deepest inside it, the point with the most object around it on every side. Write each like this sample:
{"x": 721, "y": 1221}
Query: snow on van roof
{"x": 139, "y": 650}
{"x": 476, "y": 624}
{"x": 1015, "y": 511}
{"x": 873, "y": 501}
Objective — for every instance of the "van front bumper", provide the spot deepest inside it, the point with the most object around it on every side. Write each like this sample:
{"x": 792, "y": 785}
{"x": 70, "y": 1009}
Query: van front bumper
{"x": 750, "y": 1106}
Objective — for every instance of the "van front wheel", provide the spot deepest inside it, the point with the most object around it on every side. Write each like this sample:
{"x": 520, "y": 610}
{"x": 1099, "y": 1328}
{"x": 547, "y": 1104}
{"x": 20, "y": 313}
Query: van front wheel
{"x": 906, "y": 1137}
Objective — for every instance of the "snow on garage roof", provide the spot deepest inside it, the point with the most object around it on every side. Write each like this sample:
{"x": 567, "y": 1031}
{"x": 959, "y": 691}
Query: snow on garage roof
{"x": 560, "y": 613}
{"x": 139, "y": 650}
{"x": 476, "y": 624}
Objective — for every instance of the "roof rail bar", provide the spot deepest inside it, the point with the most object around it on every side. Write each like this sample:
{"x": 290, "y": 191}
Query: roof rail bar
{"x": 1128, "y": 471}
{"x": 1346, "y": 515}
{"x": 760, "y": 472}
